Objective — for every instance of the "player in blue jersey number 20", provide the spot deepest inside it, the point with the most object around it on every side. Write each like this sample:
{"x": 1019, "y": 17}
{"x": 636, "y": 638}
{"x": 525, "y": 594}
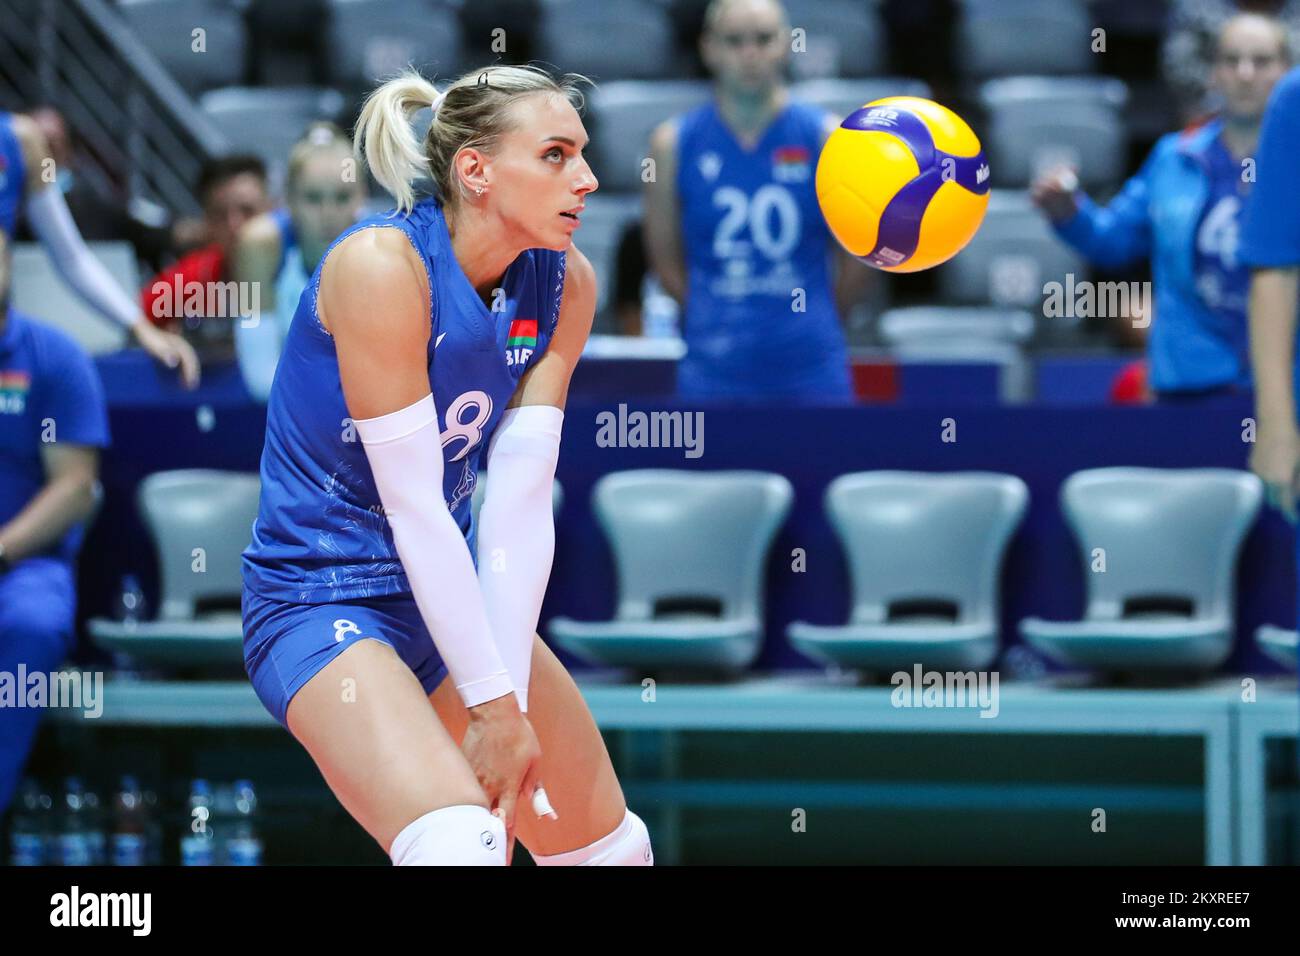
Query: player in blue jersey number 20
{"x": 392, "y": 635}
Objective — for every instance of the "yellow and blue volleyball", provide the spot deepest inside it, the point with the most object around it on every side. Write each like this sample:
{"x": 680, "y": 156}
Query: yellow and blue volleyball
{"x": 903, "y": 183}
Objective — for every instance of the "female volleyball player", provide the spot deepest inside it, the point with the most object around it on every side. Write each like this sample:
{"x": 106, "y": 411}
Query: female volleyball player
{"x": 734, "y": 231}
{"x": 428, "y": 337}
{"x": 279, "y": 250}
{"x": 25, "y": 184}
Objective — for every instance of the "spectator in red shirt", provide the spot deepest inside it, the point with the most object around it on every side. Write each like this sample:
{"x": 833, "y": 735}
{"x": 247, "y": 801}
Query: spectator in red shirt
{"x": 233, "y": 190}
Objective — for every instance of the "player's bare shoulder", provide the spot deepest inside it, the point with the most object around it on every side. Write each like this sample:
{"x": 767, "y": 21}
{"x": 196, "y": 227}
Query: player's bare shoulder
{"x": 577, "y": 301}
{"x": 371, "y": 276}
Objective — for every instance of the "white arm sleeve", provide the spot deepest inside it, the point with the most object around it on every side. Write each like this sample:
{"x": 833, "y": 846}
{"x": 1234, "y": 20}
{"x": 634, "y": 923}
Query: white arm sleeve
{"x": 48, "y": 214}
{"x": 516, "y": 531}
{"x": 405, "y": 453}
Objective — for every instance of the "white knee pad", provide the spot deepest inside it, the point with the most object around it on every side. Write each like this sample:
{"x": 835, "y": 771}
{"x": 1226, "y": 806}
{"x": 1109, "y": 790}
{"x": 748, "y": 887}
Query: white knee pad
{"x": 628, "y": 845}
{"x": 463, "y": 835}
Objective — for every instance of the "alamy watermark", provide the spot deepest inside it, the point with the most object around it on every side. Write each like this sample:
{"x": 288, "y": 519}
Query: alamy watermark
{"x": 1075, "y": 299}
{"x": 70, "y": 689}
{"x": 177, "y": 299}
{"x": 638, "y": 429}
{"x": 946, "y": 689}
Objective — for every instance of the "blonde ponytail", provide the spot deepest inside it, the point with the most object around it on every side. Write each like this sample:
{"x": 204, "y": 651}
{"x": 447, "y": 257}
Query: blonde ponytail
{"x": 385, "y": 141}
{"x": 475, "y": 110}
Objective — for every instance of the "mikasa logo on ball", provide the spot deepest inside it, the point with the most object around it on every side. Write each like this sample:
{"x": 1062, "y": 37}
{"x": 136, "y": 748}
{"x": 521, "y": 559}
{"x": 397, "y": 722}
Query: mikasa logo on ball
{"x": 881, "y": 116}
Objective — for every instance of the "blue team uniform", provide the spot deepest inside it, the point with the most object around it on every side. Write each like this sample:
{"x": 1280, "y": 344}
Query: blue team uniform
{"x": 1221, "y": 280}
{"x": 13, "y": 171}
{"x": 49, "y": 390}
{"x": 754, "y": 235}
{"x": 1183, "y": 210}
{"x": 322, "y": 570}
{"x": 1270, "y": 236}
{"x": 1271, "y": 232}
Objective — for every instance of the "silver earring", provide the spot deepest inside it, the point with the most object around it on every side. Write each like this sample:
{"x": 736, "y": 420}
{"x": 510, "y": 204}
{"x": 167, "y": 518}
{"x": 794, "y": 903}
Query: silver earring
{"x": 479, "y": 191}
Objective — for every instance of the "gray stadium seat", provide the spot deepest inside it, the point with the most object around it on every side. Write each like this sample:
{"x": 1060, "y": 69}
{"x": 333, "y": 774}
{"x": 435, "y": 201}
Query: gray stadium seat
{"x": 167, "y": 28}
{"x": 1009, "y": 37}
{"x": 623, "y": 115}
{"x": 925, "y": 325}
{"x": 40, "y": 291}
{"x": 842, "y": 38}
{"x": 367, "y": 41}
{"x": 1169, "y": 539}
{"x": 1012, "y": 256}
{"x": 925, "y": 556}
{"x": 842, "y": 97}
{"x": 1278, "y": 643}
{"x": 268, "y": 121}
{"x": 965, "y": 334}
{"x": 691, "y": 552}
{"x": 1037, "y": 122}
{"x": 186, "y": 510}
{"x": 612, "y": 39}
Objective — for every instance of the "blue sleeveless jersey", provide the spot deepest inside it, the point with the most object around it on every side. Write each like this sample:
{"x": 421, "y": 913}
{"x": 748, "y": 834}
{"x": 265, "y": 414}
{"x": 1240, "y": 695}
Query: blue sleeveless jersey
{"x": 754, "y": 235}
{"x": 320, "y": 534}
{"x": 12, "y": 173}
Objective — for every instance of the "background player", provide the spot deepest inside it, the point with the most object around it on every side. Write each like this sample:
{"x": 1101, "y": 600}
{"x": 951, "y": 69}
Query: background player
{"x": 53, "y": 424}
{"x": 279, "y": 250}
{"x": 463, "y": 315}
{"x": 1183, "y": 210}
{"x": 28, "y": 186}
{"x": 733, "y": 228}
{"x": 1271, "y": 247}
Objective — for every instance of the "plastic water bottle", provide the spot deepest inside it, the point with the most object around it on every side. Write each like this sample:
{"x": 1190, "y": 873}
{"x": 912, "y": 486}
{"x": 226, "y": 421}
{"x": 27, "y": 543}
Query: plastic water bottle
{"x": 29, "y": 829}
{"x": 75, "y": 845}
{"x": 196, "y": 841}
{"x": 244, "y": 847}
{"x": 96, "y": 828}
{"x": 130, "y": 601}
{"x": 153, "y": 829}
{"x": 222, "y": 822}
{"x": 130, "y": 841}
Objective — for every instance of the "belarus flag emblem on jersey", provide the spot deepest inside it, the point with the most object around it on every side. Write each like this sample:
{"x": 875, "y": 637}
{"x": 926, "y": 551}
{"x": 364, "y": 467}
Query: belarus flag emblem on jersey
{"x": 523, "y": 334}
{"x": 521, "y": 341}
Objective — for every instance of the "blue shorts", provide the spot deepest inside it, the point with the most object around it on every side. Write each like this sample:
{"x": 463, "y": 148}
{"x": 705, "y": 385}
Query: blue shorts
{"x": 286, "y": 645}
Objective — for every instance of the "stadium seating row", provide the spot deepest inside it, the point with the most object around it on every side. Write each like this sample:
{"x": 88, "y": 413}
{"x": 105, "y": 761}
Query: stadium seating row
{"x": 1159, "y": 549}
{"x": 1032, "y": 121}
{"x": 359, "y": 41}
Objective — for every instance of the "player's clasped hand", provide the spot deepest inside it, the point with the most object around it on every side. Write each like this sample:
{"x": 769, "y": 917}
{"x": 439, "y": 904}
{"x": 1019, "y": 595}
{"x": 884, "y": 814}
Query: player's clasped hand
{"x": 1276, "y": 460}
{"x": 503, "y": 751}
